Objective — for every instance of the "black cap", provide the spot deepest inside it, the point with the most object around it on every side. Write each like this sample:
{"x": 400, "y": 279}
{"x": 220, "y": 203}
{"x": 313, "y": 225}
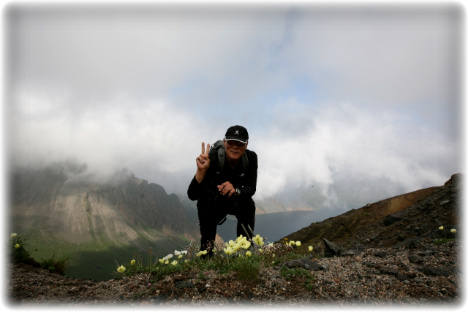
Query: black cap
{"x": 237, "y": 133}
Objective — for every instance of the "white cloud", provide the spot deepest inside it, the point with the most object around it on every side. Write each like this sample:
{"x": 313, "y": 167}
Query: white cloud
{"x": 141, "y": 90}
{"x": 343, "y": 146}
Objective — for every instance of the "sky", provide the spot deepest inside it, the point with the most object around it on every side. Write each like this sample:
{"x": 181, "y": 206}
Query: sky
{"x": 344, "y": 104}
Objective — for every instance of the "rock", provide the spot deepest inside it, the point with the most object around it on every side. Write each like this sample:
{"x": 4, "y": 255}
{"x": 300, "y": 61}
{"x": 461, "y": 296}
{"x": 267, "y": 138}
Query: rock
{"x": 304, "y": 263}
{"x": 359, "y": 247}
{"x": 331, "y": 249}
{"x": 409, "y": 243}
{"x": 389, "y": 271}
{"x": 390, "y": 219}
{"x": 402, "y": 277}
{"x": 380, "y": 254}
{"x": 415, "y": 259}
{"x": 435, "y": 271}
{"x": 349, "y": 252}
{"x": 184, "y": 284}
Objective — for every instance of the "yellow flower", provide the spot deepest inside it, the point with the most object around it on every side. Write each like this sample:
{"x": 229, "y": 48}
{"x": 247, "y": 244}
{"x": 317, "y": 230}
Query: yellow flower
{"x": 292, "y": 243}
{"x": 453, "y": 231}
{"x": 258, "y": 240}
{"x": 311, "y": 248}
{"x": 17, "y": 246}
{"x": 201, "y": 252}
{"x": 161, "y": 261}
{"x": 13, "y": 235}
{"x": 121, "y": 269}
{"x": 166, "y": 262}
{"x": 228, "y": 250}
{"x": 248, "y": 254}
{"x": 174, "y": 262}
{"x": 298, "y": 243}
{"x": 181, "y": 256}
{"x": 441, "y": 228}
{"x": 132, "y": 262}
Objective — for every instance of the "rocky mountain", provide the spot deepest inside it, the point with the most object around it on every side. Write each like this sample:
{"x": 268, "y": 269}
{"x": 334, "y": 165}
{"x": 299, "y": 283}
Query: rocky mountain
{"x": 62, "y": 209}
{"x": 393, "y": 222}
{"x": 399, "y": 250}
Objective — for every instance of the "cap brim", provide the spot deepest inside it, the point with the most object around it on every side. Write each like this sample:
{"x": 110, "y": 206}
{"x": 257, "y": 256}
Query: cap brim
{"x": 236, "y": 139}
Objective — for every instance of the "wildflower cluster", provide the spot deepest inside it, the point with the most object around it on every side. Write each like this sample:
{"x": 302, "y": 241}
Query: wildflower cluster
{"x": 242, "y": 256}
{"x": 443, "y": 239}
{"x": 453, "y": 231}
{"x": 19, "y": 254}
{"x": 17, "y": 250}
{"x": 179, "y": 254}
{"x": 241, "y": 243}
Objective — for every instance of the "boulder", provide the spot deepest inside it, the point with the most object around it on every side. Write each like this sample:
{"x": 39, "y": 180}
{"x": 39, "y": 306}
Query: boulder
{"x": 303, "y": 263}
{"x": 331, "y": 249}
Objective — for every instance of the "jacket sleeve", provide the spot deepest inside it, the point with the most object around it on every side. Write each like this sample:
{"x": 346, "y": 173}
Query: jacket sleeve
{"x": 194, "y": 189}
{"x": 249, "y": 186}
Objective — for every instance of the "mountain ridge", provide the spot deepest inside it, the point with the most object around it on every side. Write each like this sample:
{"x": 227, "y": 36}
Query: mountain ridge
{"x": 391, "y": 221}
{"x": 62, "y": 209}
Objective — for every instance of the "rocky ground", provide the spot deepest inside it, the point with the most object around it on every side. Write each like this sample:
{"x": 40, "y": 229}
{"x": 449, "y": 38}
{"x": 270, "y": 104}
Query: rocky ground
{"x": 409, "y": 261}
{"x": 425, "y": 274}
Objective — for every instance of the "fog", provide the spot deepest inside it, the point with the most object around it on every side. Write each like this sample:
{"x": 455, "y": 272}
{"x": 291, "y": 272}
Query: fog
{"x": 344, "y": 104}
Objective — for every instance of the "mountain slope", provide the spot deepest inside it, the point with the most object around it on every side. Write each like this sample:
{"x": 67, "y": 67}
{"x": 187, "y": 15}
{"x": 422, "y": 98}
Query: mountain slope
{"x": 62, "y": 210}
{"x": 390, "y": 222}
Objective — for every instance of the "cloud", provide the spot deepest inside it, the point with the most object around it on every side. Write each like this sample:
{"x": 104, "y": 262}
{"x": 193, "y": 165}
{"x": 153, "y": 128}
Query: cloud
{"x": 342, "y": 148}
{"x": 343, "y": 105}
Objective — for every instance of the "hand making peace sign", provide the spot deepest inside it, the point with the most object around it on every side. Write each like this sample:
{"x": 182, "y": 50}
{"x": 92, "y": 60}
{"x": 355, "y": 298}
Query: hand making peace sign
{"x": 203, "y": 162}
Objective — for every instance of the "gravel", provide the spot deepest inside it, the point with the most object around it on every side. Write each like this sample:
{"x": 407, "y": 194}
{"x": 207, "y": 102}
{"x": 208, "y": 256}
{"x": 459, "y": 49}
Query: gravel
{"x": 426, "y": 275}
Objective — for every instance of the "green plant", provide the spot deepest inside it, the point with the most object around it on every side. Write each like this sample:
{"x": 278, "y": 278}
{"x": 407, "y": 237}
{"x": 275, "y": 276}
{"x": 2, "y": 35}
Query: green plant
{"x": 18, "y": 253}
{"x": 242, "y": 257}
{"x": 58, "y": 266}
{"x": 291, "y": 273}
{"x": 299, "y": 274}
{"x": 246, "y": 269}
{"x": 441, "y": 241}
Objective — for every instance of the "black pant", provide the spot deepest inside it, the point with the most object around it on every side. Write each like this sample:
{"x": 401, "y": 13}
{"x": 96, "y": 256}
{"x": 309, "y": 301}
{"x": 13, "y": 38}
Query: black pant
{"x": 210, "y": 216}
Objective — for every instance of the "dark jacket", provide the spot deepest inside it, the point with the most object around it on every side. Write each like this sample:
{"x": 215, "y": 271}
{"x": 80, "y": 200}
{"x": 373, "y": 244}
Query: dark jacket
{"x": 245, "y": 179}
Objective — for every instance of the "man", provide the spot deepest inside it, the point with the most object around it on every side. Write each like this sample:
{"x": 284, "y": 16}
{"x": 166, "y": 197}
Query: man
{"x": 226, "y": 190}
